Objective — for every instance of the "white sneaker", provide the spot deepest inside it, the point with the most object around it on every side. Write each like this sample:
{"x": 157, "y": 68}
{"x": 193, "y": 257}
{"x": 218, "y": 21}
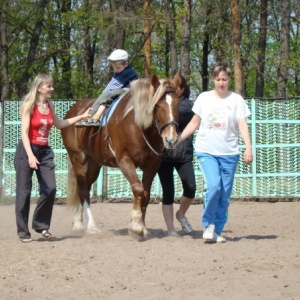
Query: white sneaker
{"x": 218, "y": 238}
{"x": 209, "y": 232}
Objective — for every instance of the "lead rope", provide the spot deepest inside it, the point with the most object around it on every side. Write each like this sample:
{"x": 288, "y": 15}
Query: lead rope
{"x": 148, "y": 142}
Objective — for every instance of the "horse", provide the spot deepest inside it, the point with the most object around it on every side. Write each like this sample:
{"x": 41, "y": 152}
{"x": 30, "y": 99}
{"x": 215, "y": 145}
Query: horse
{"x": 143, "y": 123}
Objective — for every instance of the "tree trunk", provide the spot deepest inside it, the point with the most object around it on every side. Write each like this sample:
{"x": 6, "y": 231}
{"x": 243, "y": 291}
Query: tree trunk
{"x": 88, "y": 54}
{"x": 171, "y": 47}
{"x": 236, "y": 28}
{"x": 66, "y": 56}
{"x": 205, "y": 53}
{"x": 119, "y": 40}
{"x": 33, "y": 45}
{"x": 259, "y": 89}
{"x": 147, "y": 36}
{"x": 284, "y": 48}
{"x": 185, "y": 48}
{"x": 4, "y": 84}
{"x": 89, "y": 48}
{"x": 4, "y": 77}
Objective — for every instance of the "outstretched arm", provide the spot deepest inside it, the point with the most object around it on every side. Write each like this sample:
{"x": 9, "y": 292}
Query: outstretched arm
{"x": 190, "y": 128}
{"x": 58, "y": 123}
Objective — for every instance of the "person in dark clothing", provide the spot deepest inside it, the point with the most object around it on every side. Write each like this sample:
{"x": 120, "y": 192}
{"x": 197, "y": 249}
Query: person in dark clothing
{"x": 180, "y": 159}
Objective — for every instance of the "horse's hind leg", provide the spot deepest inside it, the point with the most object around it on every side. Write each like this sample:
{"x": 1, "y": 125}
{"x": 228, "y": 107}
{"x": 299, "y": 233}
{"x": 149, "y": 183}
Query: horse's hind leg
{"x": 78, "y": 218}
{"x": 73, "y": 200}
{"x": 86, "y": 173}
{"x": 92, "y": 173}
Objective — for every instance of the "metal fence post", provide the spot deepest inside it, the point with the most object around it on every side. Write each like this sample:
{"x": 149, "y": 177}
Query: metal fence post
{"x": 253, "y": 142}
{"x": 1, "y": 146}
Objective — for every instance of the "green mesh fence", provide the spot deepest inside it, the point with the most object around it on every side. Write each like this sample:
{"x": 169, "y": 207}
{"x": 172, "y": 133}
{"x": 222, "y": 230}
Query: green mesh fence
{"x": 12, "y": 135}
{"x": 275, "y": 172}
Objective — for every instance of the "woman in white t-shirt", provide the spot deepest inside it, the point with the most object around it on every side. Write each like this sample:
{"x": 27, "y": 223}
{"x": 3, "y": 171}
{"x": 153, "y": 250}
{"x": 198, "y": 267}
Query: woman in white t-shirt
{"x": 220, "y": 115}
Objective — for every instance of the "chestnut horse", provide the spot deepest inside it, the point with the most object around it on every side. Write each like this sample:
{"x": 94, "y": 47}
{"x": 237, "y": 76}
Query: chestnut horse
{"x": 142, "y": 124}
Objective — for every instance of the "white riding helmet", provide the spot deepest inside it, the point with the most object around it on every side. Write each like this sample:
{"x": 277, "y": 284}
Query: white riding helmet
{"x": 118, "y": 54}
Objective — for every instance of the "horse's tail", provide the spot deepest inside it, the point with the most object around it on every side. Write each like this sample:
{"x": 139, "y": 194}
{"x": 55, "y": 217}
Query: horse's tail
{"x": 72, "y": 196}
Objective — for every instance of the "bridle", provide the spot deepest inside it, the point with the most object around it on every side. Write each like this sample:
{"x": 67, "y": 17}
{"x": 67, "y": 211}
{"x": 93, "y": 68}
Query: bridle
{"x": 160, "y": 128}
{"x": 169, "y": 123}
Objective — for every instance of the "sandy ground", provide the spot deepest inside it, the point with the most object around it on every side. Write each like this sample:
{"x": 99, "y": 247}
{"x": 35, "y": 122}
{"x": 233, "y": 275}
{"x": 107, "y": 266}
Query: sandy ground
{"x": 259, "y": 261}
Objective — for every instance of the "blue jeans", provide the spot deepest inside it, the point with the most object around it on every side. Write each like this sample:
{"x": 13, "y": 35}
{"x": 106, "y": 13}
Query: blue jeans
{"x": 218, "y": 171}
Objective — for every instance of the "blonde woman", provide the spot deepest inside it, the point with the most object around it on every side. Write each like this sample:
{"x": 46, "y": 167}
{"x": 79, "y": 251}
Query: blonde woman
{"x": 33, "y": 154}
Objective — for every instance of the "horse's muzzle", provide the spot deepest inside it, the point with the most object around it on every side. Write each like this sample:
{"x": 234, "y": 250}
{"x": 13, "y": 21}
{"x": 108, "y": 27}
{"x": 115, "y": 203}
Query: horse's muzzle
{"x": 170, "y": 142}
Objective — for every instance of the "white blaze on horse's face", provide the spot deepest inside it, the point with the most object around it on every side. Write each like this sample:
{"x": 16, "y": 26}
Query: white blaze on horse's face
{"x": 169, "y": 100}
{"x": 171, "y": 138}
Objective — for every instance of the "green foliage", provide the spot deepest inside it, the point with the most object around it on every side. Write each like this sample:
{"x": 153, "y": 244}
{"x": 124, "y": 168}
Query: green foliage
{"x": 87, "y": 31}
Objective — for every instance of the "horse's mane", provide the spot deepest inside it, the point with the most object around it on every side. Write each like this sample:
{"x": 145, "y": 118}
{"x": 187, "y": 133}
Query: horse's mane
{"x": 143, "y": 99}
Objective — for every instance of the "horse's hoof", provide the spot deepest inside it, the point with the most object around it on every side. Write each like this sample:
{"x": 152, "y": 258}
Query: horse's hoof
{"x": 145, "y": 232}
{"x": 136, "y": 236}
{"x": 136, "y": 227}
{"x": 137, "y": 230}
{"x": 93, "y": 230}
{"x": 78, "y": 228}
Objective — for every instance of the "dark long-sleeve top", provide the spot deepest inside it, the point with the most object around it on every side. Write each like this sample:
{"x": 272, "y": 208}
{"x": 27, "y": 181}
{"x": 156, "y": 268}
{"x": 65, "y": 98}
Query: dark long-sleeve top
{"x": 121, "y": 80}
{"x": 184, "y": 151}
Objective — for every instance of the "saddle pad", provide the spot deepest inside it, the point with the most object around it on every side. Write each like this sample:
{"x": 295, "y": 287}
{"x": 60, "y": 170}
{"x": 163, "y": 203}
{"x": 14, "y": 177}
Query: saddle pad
{"x": 108, "y": 113}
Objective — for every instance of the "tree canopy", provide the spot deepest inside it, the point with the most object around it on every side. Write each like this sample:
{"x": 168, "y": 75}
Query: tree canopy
{"x": 71, "y": 39}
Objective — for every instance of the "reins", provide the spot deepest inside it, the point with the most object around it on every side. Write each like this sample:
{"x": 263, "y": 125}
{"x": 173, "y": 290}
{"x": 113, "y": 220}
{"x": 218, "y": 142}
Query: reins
{"x": 160, "y": 128}
{"x": 151, "y": 148}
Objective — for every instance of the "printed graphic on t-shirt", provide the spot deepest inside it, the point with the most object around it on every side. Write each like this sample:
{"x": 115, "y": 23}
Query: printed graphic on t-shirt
{"x": 217, "y": 121}
{"x": 42, "y": 131}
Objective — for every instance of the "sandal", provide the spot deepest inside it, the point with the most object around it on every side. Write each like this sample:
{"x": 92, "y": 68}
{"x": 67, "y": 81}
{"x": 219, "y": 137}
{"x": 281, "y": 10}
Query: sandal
{"x": 46, "y": 234}
{"x": 186, "y": 226}
{"x": 25, "y": 239}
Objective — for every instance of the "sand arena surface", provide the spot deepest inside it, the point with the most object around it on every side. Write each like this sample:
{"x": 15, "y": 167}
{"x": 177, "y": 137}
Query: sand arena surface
{"x": 259, "y": 261}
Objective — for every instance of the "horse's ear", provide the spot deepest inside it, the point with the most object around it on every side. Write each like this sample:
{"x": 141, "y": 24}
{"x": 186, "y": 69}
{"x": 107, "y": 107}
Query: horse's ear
{"x": 176, "y": 79}
{"x": 155, "y": 81}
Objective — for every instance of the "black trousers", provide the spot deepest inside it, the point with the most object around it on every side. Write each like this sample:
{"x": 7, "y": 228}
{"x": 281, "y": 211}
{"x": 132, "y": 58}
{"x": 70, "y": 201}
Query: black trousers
{"x": 47, "y": 189}
{"x": 186, "y": 173}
